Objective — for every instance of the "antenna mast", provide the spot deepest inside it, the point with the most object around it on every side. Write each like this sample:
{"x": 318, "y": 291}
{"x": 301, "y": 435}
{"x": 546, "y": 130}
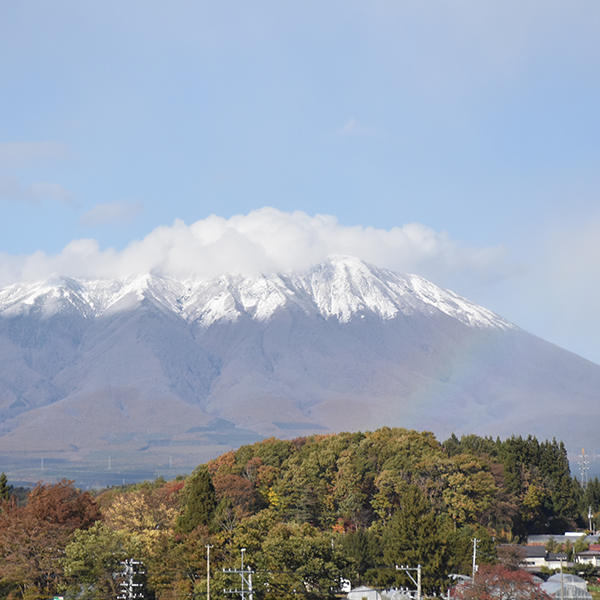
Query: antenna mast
{"x": 583, "y": 468}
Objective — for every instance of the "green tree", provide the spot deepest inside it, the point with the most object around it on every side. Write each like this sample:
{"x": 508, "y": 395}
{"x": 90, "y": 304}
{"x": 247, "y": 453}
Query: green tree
{"x": 303, "y": 559}
{"x": 92, "y": 560}
{"x": 469, "y": 489}
{"x": 4, "y": 487}
{"x": 363, "y": 549}
{"x": 200, "y": 501}
{"x": 460, "y": 549}
{"x": 414, "y": 536}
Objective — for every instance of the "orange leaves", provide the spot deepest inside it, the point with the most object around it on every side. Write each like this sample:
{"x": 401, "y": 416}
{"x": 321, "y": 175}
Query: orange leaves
{"x": 33, "y": 537}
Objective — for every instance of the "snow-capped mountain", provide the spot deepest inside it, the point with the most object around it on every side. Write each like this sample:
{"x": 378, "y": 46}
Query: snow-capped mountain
{"x": 343, "y": 288}
{"x": 150, "y": 367}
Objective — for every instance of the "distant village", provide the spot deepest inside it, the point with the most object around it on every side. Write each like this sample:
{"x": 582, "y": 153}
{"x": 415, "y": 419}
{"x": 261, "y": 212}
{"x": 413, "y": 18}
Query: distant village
{"x": 552, "y": 569}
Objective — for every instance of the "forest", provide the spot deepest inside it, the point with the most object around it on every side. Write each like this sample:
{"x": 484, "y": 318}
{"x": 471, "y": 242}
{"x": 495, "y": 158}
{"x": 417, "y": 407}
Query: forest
{"x": 308, "y": 514}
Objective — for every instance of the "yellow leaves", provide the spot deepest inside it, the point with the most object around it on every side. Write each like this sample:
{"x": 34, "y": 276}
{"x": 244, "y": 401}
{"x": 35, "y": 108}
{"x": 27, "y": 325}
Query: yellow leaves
{"x": 533, "y": 501}
{"x": 469, "y": 489}
{"x": 273, "y": 498}
{"x": 390, "y": 486}
{"x": 329, "y": 501}
{"x": 143, "y": 514}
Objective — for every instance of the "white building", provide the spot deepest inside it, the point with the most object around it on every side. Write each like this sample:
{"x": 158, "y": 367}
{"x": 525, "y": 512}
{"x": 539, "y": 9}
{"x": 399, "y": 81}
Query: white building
{"x": 363, "y": 593}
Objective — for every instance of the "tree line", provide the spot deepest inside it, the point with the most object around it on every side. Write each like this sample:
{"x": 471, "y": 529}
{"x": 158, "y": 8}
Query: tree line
{"x": 309, "y": 513}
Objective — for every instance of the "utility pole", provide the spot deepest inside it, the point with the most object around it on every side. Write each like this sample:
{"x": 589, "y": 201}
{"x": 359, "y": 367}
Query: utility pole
{"x": 475, "y": 540}
{"x": 208, "y": 547}
{"x": 130, "y": 570}
{"x": 246, "y": 575}
{"x": 583, "y": 467}
{"x": 562, "y": 586}
{"x": 407, "y": 570}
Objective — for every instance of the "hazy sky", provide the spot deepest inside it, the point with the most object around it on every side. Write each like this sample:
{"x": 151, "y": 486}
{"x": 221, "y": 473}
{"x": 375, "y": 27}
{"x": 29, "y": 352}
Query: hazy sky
{"x": 458, "y": 140}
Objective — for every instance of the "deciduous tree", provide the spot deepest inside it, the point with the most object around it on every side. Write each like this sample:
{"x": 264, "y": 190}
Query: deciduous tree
{"x": 498, "y": 583}
{"x": 33, "y": 538}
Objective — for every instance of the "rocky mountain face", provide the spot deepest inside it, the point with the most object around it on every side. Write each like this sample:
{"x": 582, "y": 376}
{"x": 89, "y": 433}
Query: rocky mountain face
{"x": 158, "y": 375}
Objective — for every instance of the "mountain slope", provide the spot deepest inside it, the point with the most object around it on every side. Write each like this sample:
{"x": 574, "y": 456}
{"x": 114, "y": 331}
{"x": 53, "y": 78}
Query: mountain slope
{"x": 150, "y": 369}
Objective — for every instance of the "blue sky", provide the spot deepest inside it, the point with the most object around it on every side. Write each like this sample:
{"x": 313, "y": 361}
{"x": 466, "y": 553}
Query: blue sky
{"x": 465, "y": 134}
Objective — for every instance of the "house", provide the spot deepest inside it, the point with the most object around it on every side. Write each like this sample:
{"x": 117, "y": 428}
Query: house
{"x": 537, "y": 557}
{"x": 363, "y": 593}
{"x": 554, "y": 560}
{"x": 591, "y": 556}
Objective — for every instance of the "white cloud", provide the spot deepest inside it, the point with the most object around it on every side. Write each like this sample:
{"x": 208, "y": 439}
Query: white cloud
{"x": 265, "y": 240}
{"x": 111, "y": 212}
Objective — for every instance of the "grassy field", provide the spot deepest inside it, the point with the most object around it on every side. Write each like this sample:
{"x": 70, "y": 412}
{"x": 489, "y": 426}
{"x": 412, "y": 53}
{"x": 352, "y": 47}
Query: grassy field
{"x": 594, "y": 590}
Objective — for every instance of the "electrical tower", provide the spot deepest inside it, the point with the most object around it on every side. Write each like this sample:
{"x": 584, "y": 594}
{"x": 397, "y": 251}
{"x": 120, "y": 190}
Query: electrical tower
{"x": 246, "y": 575}
{"x": 583, "y": 467}
{"x": 407, "y": 570}
{"x": 130, "y": 589}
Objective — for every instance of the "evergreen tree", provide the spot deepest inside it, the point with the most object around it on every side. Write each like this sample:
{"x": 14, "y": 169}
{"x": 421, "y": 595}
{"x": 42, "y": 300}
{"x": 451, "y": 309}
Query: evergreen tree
{"x": 591, "y": 497}
{"x": 413, "y": 537}
{"x": 363, "y": 548}
{"x": 4, "y": 487}
{"x": 452, "y": 445}
{"x": 563, "y": 496}
{"x": 200, "y": 501}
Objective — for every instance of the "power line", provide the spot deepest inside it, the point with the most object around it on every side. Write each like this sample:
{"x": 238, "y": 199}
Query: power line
{"x": 246, "y": 575}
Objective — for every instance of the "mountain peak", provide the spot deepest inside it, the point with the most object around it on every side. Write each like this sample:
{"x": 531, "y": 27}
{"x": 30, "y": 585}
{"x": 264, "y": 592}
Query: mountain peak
{"x": 341, "y": 287}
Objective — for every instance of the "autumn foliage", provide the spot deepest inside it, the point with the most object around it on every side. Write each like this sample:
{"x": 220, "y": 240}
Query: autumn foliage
{"x": 309, "y": 512}
{"x": 499, "y": 583}
{"x": 33, "y": 537}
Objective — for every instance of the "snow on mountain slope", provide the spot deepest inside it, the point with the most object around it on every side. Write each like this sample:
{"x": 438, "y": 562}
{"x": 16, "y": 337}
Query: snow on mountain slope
{"x": 342, "y": 288}
{"x": 149, "y": 367}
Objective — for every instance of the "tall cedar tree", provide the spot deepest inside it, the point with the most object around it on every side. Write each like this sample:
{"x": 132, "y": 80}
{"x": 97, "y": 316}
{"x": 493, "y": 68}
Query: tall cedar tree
{"x": 414, "y": 537}
{"x": 200, "y": 501}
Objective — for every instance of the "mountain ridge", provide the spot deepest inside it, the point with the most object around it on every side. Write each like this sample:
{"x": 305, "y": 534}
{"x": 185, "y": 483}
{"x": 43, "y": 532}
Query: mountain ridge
{"x": 341, "y": 287}
{"x": 149, "y": 369}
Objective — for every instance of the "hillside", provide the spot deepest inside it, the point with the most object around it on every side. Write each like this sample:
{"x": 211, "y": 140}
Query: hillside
{"x": 308, "y": 513}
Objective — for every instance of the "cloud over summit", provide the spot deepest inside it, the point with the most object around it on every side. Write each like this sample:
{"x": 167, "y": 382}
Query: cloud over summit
{"x": 265, "y": 240}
